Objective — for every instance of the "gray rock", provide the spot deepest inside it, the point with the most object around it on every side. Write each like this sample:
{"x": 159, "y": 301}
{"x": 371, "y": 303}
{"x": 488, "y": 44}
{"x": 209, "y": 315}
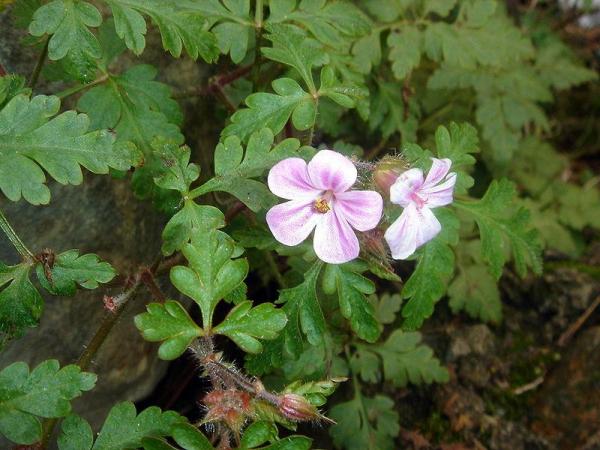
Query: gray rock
{"x": 102, "y": 217}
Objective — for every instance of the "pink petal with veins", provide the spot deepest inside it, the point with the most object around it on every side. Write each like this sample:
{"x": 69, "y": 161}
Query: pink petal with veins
{"x": 413, "y": 228}
{"x": 329, "y": 170}
{"x": 362, "y": 209}
{"x": 289, "y": 179}
{"x": 291, "y": 222}
{"x": 334, "y": 241}
{"x": 437, "y": 172}
{"x": 403, "y": 190}
{"x": 442, "y": 194}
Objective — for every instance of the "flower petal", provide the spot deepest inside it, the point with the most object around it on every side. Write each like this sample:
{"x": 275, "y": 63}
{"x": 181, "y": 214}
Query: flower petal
{"x": 289, "y": 179}
{"x": 441, "y": 194}
{"x": 329, "y": 170}
{"x": 428, "y": 226}
{"x": 413, "y": 228}
{"x": 291, "y": 222}
{"x": 334, "y": 240}
{"x": 406, "y": 185}
{"x": 362, "y": 209}
{"x": 439, "y": 169}
{"x": 401, "y": 236}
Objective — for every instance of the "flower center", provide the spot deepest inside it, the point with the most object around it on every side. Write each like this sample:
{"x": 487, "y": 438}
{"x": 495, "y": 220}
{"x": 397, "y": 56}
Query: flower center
{"x": 321, "y": 204}
{"x": 418, "y": 200}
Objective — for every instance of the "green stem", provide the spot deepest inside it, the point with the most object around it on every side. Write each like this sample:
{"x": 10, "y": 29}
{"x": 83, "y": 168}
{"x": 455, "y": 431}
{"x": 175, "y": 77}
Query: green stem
{"x": 311, "y": 133}
{"x": 81, "y": 87}
{"x": 258, "y": 14}
{"x": 258, "y": 26}
{"x": 14, "y": 239}
{"x": 275, "y": 270}
{"x": 39, "y": 64}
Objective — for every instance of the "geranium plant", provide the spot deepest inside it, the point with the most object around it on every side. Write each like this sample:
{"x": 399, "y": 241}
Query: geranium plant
{"x": 348, "y": 134}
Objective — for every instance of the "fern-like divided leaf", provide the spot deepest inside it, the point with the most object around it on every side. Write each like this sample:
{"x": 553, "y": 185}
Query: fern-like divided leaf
{"x": 235, "y": 169}
{"x": 365, "y": 423}
{"x": 499, "y": 224}
{"x": 71, "y": 269}
{"x": 179, "y": 24}
{"x": 21, "y": 304}
{"x": 123, "y": 429}
{"x": 31, "y": 139}
{"x": 403, "y": 358}
{"x": 67, "y": 22}
{"x": 45, "y": 392}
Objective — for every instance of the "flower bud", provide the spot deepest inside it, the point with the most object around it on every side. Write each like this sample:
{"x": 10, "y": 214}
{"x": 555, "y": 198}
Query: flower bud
{"x": 387, "y": 170}
{"x": 295, "y": 407}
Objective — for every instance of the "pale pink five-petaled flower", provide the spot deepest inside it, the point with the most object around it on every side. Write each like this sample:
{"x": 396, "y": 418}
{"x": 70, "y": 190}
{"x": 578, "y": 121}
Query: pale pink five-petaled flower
{"x": 417, "y": 224}
{"x": 320, "y": 199}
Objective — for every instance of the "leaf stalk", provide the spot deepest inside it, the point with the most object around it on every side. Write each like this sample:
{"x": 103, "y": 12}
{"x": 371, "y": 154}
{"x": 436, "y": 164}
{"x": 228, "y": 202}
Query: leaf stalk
{"x": 14, "y": 239}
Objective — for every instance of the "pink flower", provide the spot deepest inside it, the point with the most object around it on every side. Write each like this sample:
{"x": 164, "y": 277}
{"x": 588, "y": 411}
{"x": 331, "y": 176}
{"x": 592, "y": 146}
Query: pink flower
{"x": 417, "y": 224}
{"x": 320, "y": 199}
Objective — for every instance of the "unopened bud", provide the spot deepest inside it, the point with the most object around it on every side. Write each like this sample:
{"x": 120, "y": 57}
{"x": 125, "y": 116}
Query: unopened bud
{"x": 295, "y": 407}
{"x": 387, "y": 171}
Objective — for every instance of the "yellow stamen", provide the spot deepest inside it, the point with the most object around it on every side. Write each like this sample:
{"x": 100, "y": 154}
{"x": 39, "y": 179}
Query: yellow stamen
{"x": 321, "y": 205}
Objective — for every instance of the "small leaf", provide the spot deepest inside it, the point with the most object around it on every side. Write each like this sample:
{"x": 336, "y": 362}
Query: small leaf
{"x": 20, "y": 303}
{"x": 386, "y": 307}
{"x": 124, "y": 428}
{"x": 404, "y": 360}
{"x": 231, "y": 24}
{"x": 292, "y": 48}
{"x": 71, "y": 269}
{"x": 75, "y": 434}
{"x": 291, "y": 443}
{"x": 435, "y": 266}
{"x": 303, "y": 311}
{"x": 332, "y": 23}
{"x": 177, "y": 172}
{"x": 139, "y": 109}
{"x": 365, "y": 423}
{"x": 168, "y": 322}
{"x": 458, "y": 144}
{"x": 475, "y": 291}
{"x": 179, "y": 24}
{"x": 190, "y": 438}
{"x": 268, "y": 110}
{"x": 499, "y": 224}
{"x": 211, "y": 274}
{"x": 45, "y": 392}
{"x": 344, "y": 95}
{"x": 258, "y": 433}
{"x": 11, "y": 86}
{"x": 30, "y": 142}
{"x": 388, "y": 112}
{"x": 156, "y": 444}
{"x": 68, "y": 21}
{"x": 316, "y": 392}
{"x": 405, "y": 51}
{"x": 352, "y": 289}
{"x": 192, "y": 219}
{"x": 245, "y": 325}
{"x": 233, "y": 174}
